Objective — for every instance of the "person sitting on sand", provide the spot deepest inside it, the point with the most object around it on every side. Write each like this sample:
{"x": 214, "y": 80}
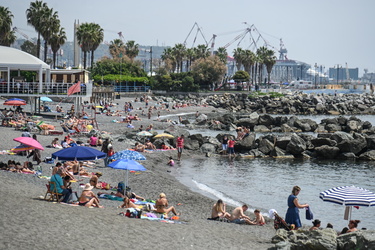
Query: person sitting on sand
{"x": 149, "y": 145}
{"x": 55, "y": 143}
{"x": 218, "y": 211}
{"x": 239, "y": 217}
{"x": 139, "y": 147}
{"x": 259, "y": 219}
{"x": 171, "y": 161}
{"x": 161, "y": 205}
{"x": 95, "y": 179}
{"x": 165, "y": 147}
{"x": 129, "y": 204}
{"x": 316, "y": 225}
{"x": 88, "y": 198}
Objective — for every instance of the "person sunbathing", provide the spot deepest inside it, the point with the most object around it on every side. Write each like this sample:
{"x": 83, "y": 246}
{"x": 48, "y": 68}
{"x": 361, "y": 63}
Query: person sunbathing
{"x": 165, "y": 147}
{"x": 139, "y": 147}
{"x": 218, "y": 211}
{"x": 88, "y": 198}
{"x": 239, "y": 217}
{"x": 161, "y": 205}
{"x": 149, "y": 145}
{"x": 55, "y": 143}
{"x": 94, "y": 181}
{"x": 129, "y": 204}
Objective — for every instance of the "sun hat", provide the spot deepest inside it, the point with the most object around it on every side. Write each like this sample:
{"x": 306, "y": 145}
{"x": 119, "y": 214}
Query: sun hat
{"x": 88, "y": 187}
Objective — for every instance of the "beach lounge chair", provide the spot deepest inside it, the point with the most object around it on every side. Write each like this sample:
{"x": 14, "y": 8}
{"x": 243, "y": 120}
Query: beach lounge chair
{"x": 52, "y": 192}
{"x": 68, "y": 131}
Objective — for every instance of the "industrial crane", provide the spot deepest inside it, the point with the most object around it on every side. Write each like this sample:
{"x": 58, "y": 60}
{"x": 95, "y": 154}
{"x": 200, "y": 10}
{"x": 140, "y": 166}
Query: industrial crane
{"x": 195, "y": 38}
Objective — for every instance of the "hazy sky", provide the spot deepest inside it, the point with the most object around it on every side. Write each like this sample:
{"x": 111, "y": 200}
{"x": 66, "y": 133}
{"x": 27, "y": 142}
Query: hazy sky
{"x": 326, "y": 32}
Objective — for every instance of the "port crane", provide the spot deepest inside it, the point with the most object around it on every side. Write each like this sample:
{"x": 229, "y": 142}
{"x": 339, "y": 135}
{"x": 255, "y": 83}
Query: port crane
{"x": 198, "y": 31}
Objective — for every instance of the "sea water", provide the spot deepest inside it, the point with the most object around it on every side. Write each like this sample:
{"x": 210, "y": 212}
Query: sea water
{"x": 266, "y": 184}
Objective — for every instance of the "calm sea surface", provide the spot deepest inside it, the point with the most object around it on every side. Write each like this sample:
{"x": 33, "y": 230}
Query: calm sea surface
{"x": 267, "y": 183}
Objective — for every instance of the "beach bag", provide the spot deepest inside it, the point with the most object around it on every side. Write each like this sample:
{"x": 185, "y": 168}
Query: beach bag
{"x": 309, "y": 214}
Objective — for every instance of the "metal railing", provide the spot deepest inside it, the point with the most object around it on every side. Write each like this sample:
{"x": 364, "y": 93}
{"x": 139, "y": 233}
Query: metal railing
{"x": 33, "y": 88}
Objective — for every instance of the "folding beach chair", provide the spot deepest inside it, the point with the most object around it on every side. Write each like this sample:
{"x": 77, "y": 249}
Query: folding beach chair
{"x": 280, "y": 223}
{"x": 52, "y": 192}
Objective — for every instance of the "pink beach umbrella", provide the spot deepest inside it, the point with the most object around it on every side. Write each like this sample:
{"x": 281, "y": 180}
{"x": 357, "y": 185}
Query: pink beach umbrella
{"x": 29, "y": 142}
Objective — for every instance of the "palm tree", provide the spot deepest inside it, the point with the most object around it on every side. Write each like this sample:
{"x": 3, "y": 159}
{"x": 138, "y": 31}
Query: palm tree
{"x": 190, "y": 58}
{"x": 262, "y": 53}
{"x": 249, "y": 59}
{"x": 179, "y": 53}
{"x": 238, "y": 55}
{"x": 7, "y": 36}
{"x": 56, "y": 40}
{"x": 117, "y": 49}
{"x": 202, "y": 51}
{"x": 131, "y": 49}
{"x": 51, "y": 25}
{"x": 97, "y": 39}
{"x": 169, "y": 59}
{"x": 269, "y": 61}
{"x": 33, "y": 15}
{"x": 222, "y": 54}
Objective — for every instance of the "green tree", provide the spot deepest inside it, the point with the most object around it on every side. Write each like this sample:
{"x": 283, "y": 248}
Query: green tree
{"x": 34, "y": 17}
{"x": 202, "y": 51}
{"x": 222, "y": 54}
{"x": 89, "y": 36}
{"x": 29, "y": 47}
{"x": 97, "y": 38}
{"x": 269, "y": 61}
{"x": 179, "y": 53}
{"x": 7, "y": 36}
{"x": 248, "y": 60}
{"x": 169, "y": 60}
{"x": 238, "y": 55}
{"x": 262, "y": 54}
{"x": 117, "y": 49}
{"x": 131, "y": 50}
{"x": 51, "y": 25}
{"x": 56, "y": 40}
{"x": 208, "y": 72}
{"x": 241, "y": 76}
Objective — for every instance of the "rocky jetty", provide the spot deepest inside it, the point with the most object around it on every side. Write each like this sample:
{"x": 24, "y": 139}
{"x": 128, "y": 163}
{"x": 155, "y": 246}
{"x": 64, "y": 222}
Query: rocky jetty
{"x": 323, "y": 239}
{"x": 292, "y": 103}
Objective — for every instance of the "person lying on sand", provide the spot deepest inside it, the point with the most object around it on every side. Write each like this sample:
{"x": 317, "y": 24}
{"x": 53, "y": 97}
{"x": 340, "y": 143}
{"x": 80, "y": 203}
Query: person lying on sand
{"x": 139, "y": 147}
{"x": 161, "y": 205}
{"x": 149, "y": 145}
{"x": 129, "y": 204}
{"x": 239, "y": 217}
{"x": 120, "y": 194}
{"x": 88, "y": 198}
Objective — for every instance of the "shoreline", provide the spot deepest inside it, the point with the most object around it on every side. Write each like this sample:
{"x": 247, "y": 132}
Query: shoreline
{"x": 31, "y": 223}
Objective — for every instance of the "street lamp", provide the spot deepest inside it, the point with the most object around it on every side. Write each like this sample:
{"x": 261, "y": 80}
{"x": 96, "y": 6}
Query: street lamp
{"x": 315, "y": 66}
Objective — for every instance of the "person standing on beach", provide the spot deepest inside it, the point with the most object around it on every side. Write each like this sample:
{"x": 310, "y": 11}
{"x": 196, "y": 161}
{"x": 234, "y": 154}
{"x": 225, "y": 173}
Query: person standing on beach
{"x": 231, "y": 143}
{"x": 180, "y": 146}
{"x": 292, "y": 214}
{"x": 105, "y": 149}
{"x": 224, "y": 145}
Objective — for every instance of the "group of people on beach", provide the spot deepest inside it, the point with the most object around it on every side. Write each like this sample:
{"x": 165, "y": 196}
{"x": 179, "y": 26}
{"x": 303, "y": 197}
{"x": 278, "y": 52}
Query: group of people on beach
{"x": 293, "y": 219}
{"x": 238, "y": 216}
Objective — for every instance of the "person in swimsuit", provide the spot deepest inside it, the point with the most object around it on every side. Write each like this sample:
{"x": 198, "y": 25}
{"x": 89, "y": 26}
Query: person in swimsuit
{"x": 95, "y": 179}
{"x": 161, "y": 205}
{"x": 88, "y": 198}
{"x": 239, "y": 217}
{"x": 218, "y": 211}
{"x": 259, "y": 219}
{"x": 129, "y": 204}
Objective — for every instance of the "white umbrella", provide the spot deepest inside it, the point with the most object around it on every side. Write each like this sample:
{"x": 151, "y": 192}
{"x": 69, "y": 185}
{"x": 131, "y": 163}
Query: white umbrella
{"x": 349, "y": 196}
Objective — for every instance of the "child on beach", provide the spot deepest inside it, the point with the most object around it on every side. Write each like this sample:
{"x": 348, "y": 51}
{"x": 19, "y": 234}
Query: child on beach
{"x": 170, "y": 162}
{"x": 259, "y": 219}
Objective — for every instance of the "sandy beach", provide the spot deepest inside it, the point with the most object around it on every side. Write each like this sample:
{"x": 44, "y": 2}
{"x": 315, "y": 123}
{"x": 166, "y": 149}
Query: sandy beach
{"x": 31, "y": 223}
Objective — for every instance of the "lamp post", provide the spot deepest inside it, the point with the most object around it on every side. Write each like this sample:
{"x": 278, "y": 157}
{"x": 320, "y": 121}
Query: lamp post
{"x": 315, "y": 66}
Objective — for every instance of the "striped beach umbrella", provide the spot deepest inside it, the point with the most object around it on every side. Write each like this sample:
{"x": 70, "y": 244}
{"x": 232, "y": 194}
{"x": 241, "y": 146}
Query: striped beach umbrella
{"x": 349, "y": 196}
{"x": 128, "y": 154}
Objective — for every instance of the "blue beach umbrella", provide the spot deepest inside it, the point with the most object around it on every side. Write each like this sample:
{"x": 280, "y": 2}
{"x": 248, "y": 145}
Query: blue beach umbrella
{"x": 15, "y": 99}
{"x": 349, "y": 196}
{"x": 128, "y": 154}
{"x": 79, "y": 153}
{"x": 126, "y": 164}
{"x": 45, "y": 99}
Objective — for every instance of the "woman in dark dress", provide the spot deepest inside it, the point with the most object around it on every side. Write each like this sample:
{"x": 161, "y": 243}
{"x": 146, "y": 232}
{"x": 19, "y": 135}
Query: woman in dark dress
{"x": 292, "y": 215}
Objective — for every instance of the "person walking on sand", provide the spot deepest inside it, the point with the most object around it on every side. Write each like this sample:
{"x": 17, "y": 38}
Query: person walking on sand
{"x": 180, "y": 146}
{"x": 292, "y": 214}
{"x": 239, "y": 217}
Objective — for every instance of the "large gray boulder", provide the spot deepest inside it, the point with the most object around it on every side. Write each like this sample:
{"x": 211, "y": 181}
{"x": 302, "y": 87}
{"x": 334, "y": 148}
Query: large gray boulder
{"x": 246, "y": 143}
{"x": 356, "y": 240}
{"x": 296, "y": 145}
{"x": 368, "y": 156}
{"x": 265, "y": 146}
{"x": 208, "y": 148}
{"x": 306, "y": 240}
{"x": 327, "y": 152}
{"x": 340, "y": 136}
{"x": 355, "y": 146}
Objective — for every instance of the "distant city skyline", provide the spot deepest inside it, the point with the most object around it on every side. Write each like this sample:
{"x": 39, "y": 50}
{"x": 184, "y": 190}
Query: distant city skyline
{"x": 327, "y": 33}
